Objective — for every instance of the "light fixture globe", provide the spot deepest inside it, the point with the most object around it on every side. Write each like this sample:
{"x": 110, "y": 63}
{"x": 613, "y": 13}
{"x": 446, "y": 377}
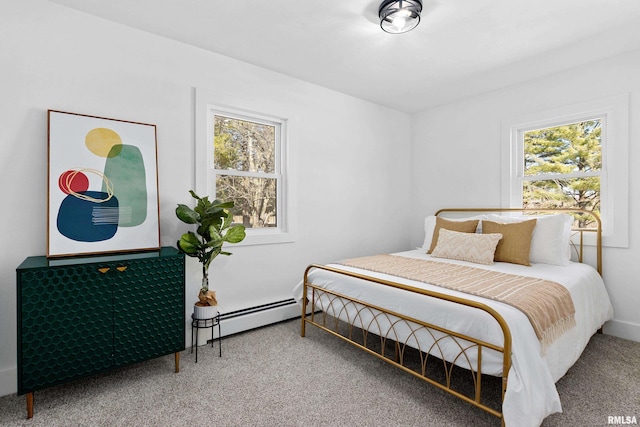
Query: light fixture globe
{"x": 399, "y": 16}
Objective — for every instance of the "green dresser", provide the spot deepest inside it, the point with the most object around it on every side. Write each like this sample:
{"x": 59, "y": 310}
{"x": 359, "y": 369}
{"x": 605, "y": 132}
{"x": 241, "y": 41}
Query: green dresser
{"x": 83, "y": 315}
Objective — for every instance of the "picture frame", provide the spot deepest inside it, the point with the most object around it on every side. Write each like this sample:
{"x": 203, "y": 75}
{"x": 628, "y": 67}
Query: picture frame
{"x": 102, "y": 185}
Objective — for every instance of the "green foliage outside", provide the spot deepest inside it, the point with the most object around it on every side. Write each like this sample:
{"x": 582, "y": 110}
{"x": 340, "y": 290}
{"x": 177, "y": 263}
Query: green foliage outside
{"x": 559, "y": 168}
{"x": 245, "y": 147}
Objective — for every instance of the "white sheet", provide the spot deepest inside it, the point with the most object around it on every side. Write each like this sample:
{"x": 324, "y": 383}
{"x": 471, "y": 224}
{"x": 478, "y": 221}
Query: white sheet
{"x": 531, "y": 394}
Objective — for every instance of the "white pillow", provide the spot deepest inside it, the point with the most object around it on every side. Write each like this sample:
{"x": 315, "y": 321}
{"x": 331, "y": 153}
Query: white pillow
{"x": 430, "y": 225}
{"x": 478, "y": 248}
{"x": 550, "y": 239}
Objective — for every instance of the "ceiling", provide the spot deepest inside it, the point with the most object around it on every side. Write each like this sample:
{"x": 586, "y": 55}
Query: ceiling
{"x": 461, "y": 47}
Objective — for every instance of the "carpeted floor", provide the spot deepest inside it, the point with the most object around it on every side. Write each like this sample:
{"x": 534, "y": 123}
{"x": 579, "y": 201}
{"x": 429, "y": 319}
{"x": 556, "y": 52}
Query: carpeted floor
{"x": 273, "y": 377}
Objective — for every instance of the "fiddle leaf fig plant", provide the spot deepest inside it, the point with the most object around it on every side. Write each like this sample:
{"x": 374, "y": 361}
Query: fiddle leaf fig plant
{"x": 214, "y": 228}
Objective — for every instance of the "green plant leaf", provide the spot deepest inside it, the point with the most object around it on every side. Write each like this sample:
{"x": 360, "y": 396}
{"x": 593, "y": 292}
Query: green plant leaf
{"x": 215, "y": 211}
{"x": 189, "y": 244}
{"x": 224, "y": 205}
{"x": 209, "y": 256}
{"x": 227, "y": 222}
{"x": 187, "y": 215}
{"x": 235, "y": 234}
{"x": 215, "y": 239}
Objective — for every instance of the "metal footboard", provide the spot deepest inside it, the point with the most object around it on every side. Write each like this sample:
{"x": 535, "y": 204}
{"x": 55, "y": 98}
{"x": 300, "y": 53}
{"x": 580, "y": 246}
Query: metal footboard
{"x": 376, "y": 330}
{"x": 392, "y": 336}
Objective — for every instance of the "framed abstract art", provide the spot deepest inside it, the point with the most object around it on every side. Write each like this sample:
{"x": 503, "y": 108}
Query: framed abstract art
{"x": 102, "y": 186}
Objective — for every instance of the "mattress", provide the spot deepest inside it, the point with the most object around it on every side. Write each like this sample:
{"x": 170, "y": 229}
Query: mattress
{"x": 531, "y": 394}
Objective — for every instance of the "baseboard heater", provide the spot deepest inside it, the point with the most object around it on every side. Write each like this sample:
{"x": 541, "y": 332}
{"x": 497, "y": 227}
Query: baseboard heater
{"x": 245, "y": 319}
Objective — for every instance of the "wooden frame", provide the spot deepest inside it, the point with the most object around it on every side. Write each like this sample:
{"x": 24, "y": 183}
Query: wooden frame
{"x": 102, "y": 185}
{"x": 328, "y": 307}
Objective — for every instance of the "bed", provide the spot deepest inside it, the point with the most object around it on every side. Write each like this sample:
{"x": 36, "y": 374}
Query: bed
{"x": 388, "y": 306}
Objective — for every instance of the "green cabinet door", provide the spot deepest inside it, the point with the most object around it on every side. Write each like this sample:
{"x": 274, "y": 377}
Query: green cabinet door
{"x": 148, "y": 299}
{"x": 65, "y": 325}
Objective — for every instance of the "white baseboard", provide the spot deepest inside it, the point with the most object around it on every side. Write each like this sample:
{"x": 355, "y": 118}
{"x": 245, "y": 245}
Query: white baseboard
{"x": 620, "y": 329}
{"x": 8, "y": 381}
{"x": 251, "y": 318}
{"x": 232, "y": 324}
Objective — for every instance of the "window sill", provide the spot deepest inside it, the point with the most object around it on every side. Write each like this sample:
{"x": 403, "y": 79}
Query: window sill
{"x": 266, "y": 238}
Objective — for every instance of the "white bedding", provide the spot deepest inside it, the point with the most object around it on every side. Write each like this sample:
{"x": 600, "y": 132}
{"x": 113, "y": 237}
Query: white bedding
{"x": 531, "y": 394}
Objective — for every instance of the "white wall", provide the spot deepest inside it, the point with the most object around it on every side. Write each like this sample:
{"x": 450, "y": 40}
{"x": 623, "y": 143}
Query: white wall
{"x": 348, "y": 156}
{"x": 456, "y": 161}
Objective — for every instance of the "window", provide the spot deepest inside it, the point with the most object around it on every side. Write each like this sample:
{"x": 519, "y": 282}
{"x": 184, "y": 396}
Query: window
{"x": 572, "y": 157}
{"x": 562, "y": 167}
{"x": 241, "y": 155}
{"x": 246, "y": 167}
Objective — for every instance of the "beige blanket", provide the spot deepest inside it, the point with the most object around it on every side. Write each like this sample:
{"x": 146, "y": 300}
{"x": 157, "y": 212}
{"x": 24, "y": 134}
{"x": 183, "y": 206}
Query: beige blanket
{"x": 548, "y": 305}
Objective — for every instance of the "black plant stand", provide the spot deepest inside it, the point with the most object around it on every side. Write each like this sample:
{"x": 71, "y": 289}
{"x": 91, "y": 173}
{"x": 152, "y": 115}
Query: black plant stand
{"x": 204, "y": 324}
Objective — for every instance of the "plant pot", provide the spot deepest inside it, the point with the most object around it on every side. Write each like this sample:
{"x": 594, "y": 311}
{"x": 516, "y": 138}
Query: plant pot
{"x": 205, "y": 311}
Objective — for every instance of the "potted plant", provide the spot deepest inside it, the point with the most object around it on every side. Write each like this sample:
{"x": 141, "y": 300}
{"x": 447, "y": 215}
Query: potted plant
{"x": 214, "y": 228}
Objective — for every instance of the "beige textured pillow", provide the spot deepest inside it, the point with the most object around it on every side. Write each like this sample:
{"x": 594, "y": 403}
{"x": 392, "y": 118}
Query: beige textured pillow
{"x": 461, "y": 226}
{"x": 430, "y": 225}
{"x": 478, "y": 248}
{"x": 515, "y": 245}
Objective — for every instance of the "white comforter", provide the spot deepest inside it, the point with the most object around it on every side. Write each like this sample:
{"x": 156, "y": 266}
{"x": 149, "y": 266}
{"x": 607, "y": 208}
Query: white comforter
{"x": 531, "y": 394}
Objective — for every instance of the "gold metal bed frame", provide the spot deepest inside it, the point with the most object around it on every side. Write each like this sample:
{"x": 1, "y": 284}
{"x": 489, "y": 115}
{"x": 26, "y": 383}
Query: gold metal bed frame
{"x": 327, "y": 307}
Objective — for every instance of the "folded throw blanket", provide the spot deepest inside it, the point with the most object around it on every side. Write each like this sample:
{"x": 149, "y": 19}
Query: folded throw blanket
{"x": 547, "y": 304}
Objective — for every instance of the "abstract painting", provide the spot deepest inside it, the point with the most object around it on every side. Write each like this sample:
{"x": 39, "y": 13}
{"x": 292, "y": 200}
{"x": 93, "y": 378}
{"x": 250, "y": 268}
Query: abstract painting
{"x": 103, "y": 185}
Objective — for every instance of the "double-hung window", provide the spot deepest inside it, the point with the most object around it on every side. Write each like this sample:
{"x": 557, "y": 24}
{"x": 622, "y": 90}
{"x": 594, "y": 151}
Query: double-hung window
{"x": 562, "y": 167}
{"x": 246, "y": 167}
{"x": 572, "y": 157}
{"x": 241, "y": 157}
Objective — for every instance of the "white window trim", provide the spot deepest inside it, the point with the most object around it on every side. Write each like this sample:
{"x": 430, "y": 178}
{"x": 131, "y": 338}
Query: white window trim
{"x": 208, "y": 102}
{"x": 614, "y": 111}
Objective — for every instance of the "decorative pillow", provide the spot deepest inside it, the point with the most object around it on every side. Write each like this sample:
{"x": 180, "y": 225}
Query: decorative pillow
{"x": 515, "y": 245}
{"x": 430, "y": 225}
{"x": 461, "y": 226}
{"x": 550, "y": 240}
{"x": 478, "y": 248}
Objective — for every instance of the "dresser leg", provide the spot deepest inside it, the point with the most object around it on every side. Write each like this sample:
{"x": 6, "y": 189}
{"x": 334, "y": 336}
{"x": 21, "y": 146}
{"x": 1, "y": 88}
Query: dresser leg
{"x": 30, "y": 405}
{"x": 177, "y": 362}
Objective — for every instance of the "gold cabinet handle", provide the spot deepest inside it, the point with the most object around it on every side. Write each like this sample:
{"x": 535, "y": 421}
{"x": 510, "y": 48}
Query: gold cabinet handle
{"x": 103, "y": 270}
{"x": 121, "y": 268}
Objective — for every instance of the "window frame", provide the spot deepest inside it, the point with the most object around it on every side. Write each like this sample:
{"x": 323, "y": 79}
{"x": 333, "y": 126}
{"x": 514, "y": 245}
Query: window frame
{"x": 206, "y": 174}
{"x": 521, "y": 177}
{"x": 280, "y": 130}
{"x": 614, "y": 175}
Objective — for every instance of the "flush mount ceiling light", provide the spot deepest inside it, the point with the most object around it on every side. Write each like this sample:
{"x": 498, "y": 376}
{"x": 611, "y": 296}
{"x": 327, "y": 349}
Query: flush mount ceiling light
{"x": 399, "y": 16}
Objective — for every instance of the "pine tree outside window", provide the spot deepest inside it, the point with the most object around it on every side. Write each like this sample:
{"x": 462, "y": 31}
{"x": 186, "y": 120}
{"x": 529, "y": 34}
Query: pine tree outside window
{"x": 563, "y": 168}
{"x": 572, "y": 156}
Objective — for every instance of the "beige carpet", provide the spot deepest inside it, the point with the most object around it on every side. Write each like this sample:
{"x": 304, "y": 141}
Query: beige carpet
{"x": 273, "y": 377}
